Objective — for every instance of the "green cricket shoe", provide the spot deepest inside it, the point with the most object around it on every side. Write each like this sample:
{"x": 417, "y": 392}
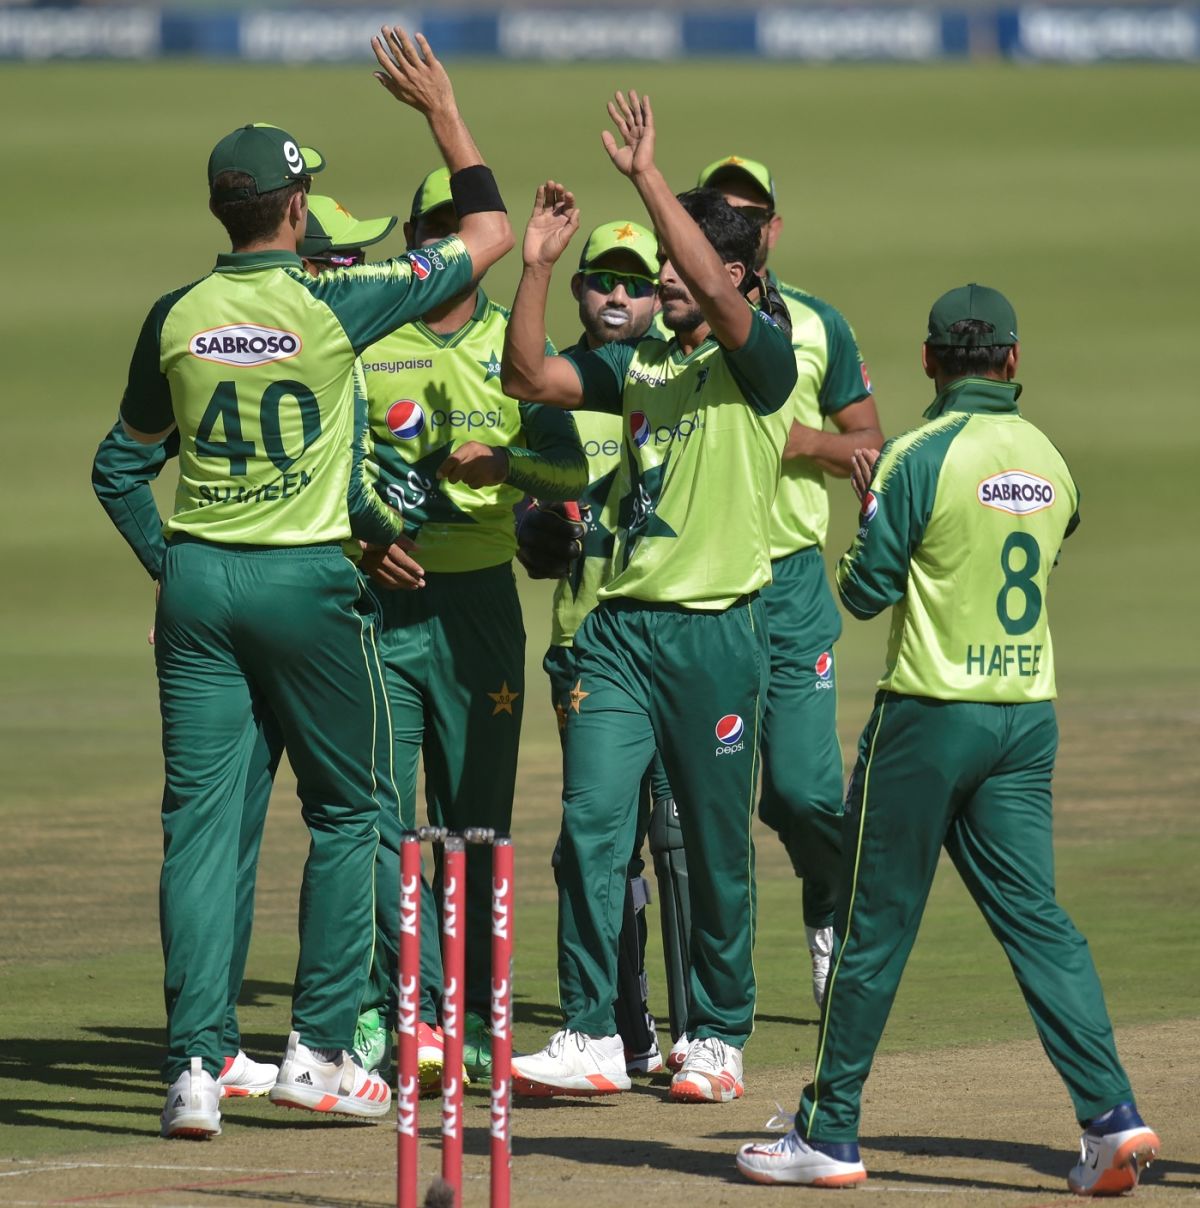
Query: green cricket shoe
{"x": 372, "y": 1041}
{"x": 477, "y": 1048}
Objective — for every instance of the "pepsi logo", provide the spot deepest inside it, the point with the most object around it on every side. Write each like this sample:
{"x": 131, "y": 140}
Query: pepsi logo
{"x": 824, "y": 665}
{"x": 730, "y": 729}
{"x": 420, "y": 265}
{"x": 639, "y": 429}
{"x": 866, "y": 377}
{"x": 405, "y": 419}
{"x": 870, "y": 505}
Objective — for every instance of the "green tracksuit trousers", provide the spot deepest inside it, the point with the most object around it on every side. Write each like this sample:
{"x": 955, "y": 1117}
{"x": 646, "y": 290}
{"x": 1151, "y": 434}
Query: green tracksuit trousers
{"x": 690, "y": 685}
{"x": 801, "y": 755}
{"x": 454, "y": 653}
{"x": 242, "y": 630}
{"x": 975, "y": 778}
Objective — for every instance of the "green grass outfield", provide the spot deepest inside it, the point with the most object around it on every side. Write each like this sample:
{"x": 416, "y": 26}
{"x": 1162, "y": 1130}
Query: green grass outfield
{"x": 1072, "y": 190}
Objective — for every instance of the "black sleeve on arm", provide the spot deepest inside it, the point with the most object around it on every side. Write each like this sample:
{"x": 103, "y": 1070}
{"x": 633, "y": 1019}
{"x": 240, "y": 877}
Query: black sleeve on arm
{"x": 474, "y": 191}
{"x": 765, "y": 365}
{"x": 602, "y": 374}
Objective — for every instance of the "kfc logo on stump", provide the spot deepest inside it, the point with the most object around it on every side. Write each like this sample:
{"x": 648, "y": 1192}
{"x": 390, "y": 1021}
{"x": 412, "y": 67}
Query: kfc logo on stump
{"x": 731, "y": 733}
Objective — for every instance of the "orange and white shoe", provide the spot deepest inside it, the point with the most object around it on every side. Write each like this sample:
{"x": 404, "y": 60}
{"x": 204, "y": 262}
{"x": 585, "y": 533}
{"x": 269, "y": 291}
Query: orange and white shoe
{"x": 573, "y": 1064}
{"x": 711, "y": 1073}
{"x": 678, "y": 1054}
{"x": 192, "y": 1108}
{"x": 431, "y": 1057}
{"x": 1113, "y": 1152}
{"x": 793, "y": 1160}
{"x": 241, "y": 1076}
{"x": 339, "y": 1086}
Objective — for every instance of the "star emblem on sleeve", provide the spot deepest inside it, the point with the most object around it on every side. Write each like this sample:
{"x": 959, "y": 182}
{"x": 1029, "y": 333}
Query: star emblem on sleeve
{"x": 576, "y": 695}
{"x": 491, "y": 367}
{"x": 502, "y": 701}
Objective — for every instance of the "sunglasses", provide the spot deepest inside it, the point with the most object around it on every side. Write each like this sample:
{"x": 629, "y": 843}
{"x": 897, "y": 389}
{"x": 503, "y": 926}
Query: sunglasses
{"x": 636, "y": 286}
{"x": 759, "y": 215}
{"x": 346, "y": 259}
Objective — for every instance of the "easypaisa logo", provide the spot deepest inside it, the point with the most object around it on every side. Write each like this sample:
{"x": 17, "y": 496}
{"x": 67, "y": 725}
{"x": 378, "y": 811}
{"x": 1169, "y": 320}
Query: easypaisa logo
{"x": 731, "y": 734}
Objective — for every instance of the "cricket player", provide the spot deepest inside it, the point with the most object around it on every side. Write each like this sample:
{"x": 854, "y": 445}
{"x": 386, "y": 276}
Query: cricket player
{"x": 455, "y": 455}
{"x": 616, "y": 290}
{"x": 801, "y": 754}
{"x": 122, "y": 472}
{"x": 254, "y": 366}
{"x": 674, "y": 657}
{"x": 960, "y": 526}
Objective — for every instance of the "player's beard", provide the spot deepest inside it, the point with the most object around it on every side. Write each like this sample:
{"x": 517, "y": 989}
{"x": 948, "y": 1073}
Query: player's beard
{"x": 687, "y": 320}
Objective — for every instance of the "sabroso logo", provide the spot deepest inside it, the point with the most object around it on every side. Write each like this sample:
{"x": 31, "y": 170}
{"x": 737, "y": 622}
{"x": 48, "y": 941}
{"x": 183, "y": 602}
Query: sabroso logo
{"x": 405, "y": 419}
{"x": 639, "y": 428}
{"x": 1017, "y": 492}
{"x": 245, "y": 344}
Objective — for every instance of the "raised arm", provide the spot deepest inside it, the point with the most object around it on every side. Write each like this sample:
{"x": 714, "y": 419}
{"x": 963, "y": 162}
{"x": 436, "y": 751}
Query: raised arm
{"x": 412, "y": 73}
{"x": 526, "y": 372}
{"x": 707, "y": 278}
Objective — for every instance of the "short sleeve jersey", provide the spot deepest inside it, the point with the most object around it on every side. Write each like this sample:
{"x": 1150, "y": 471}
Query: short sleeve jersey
{"x": 702, "y": 442}
{"x": 255, "y": 364}
{"x": 963, "y": 522}
{"x": 830, "y": 375}
{"x": 428, "y": 394}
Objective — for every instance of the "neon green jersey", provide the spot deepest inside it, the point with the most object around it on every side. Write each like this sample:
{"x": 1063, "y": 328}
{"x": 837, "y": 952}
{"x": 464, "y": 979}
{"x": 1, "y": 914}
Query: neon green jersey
{"x": 428, "y": 395}
{"x": 255, "y": 364}
{"x": 830, "y": 375}
{"x": 963, "y": 521}
{"x": 702, "y": 442}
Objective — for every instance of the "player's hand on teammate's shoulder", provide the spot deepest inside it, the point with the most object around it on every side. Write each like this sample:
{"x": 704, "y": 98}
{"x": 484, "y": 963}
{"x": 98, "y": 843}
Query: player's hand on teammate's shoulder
{"x": 475, "y": 465}
{"x": 862, "y": 469}
{"x": 391, "y": 567}
{"x": 551, "y": 226}
{"x": 634, "y": 120}
{"x": 412, "y": 73}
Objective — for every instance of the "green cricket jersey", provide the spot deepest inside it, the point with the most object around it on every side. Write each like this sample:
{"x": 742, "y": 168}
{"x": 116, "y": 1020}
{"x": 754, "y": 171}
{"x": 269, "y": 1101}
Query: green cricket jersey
{"x": 255, "y": 364}
{"x": 428, "y": 395}
{"x": 830, "y": 375}
{"x": 963, "y": 521}
{"x": 702, "y": 441}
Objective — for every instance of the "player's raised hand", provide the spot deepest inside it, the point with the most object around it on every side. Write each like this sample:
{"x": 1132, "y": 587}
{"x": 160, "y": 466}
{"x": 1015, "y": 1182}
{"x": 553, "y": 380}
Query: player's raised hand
{"x": 475, "y": 465}
{"x": 411, "y": 71}
{"x": 634, "y": 120}
{"x": 862, "y": 467}
{"x": 553, "y": 223}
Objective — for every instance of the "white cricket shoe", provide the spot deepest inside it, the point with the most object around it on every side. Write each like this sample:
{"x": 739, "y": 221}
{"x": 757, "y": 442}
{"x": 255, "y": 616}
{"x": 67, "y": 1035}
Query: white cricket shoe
{"x": 1112, "y": 1153}
{"x": 820, "y": 948}
{"x": 308, "y": 1081}
{"x": 791, "y": 1159}
{"x": 241, "y": 1076}
{"x": 193, "y": 1108}
{"x": 651, "y": 1060}
{"x": 678, "y": 1054}
{"x": 573, "y": 1064}
{"x": 711, "y": 1073}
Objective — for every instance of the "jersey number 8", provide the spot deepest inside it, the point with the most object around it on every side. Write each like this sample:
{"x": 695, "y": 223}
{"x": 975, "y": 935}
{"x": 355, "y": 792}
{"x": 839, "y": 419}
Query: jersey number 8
{"x": 1020, "y": 579}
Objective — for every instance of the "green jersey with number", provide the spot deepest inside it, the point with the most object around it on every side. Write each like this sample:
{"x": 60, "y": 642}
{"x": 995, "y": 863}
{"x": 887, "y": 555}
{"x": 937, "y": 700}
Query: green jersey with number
{"x": 255, "y": 365}
{"x": 961, "y": 526}
{"x": 431, "y": 393}
{"x": 702, "y": 441}
{"x": 830, "y": 375}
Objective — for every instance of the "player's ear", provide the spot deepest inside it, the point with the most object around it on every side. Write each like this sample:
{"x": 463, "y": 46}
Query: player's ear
{"x": 737, "y": 272}
{"x": 1014, "y": 359}
{"x": 577, "y": 286}
{"x": 927, "y": 362}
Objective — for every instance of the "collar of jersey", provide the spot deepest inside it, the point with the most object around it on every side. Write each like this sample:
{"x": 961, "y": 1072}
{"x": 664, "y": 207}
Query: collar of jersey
{"x": 977, "y": 396}
{"x": 452, "y": 337}
{"x": 241, "y": 262}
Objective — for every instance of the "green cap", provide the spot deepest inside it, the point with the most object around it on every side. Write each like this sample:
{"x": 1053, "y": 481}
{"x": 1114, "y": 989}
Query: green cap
{"x": 972, "y": 302}
{"x": 332, "y": 228}
{"x": 621, "y": 237}
{"x": 433, "y": 192}
{"x": 267, "y": 154}
{"x": 736, "y": 165}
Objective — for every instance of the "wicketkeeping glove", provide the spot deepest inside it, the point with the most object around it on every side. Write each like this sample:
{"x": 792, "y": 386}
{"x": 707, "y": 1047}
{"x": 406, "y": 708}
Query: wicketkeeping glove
{"x": 550, "y": 539}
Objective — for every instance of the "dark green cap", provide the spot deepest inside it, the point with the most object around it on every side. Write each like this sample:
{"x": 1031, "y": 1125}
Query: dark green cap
{"x": 432, "y": 193}
{"x": 267, "y": 154}
{"x": 972, "y": 302}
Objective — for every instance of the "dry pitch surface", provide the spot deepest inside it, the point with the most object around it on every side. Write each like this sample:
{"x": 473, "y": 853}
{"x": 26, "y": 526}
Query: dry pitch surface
{"x": 987, "y": 1125}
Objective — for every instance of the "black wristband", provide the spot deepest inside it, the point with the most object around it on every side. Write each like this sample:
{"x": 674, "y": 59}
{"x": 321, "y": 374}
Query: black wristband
{"x": 473, "y": 191}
